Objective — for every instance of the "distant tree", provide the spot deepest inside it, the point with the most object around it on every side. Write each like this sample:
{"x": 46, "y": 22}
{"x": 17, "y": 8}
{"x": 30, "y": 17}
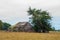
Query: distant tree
{"x": 1, "y": 25}
{"x": 40, "y": 20}
{"x": 6, "y": 26}
{"x": 53, "y": 29}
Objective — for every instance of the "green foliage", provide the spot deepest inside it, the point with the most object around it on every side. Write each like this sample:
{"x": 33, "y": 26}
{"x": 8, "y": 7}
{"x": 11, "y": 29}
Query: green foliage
{"x": 40, "y": 20}
{"x": 52, "y": 29}
{"x": 4, "y": 25}
{"x": 1, "y": 25}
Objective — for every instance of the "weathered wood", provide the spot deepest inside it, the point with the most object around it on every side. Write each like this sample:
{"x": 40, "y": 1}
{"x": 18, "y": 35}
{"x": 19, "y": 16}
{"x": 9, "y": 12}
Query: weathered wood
{"x": 23, "y": 27}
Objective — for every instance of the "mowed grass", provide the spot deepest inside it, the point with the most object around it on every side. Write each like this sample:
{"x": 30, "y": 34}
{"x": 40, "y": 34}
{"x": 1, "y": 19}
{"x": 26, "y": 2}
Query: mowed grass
{"x": 29, "y": 36}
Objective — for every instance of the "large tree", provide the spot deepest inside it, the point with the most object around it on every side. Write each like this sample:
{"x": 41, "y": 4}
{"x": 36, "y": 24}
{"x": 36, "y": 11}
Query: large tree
{"x": 40, "y": 20}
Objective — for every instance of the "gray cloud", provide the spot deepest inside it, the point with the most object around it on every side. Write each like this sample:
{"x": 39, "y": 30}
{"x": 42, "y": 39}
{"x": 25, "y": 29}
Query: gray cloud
{"x": 12, "y": 9}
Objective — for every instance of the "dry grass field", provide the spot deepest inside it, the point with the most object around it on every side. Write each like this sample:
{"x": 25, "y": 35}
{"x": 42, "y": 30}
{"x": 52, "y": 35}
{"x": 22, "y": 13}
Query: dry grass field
{"x": 29, "y": 36}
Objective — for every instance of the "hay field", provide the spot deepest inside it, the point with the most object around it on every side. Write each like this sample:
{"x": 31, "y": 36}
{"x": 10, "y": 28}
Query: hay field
{"x": 29, "y": 36}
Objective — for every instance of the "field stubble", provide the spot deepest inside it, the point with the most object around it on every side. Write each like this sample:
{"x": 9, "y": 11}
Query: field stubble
{"x": 29, "y": 36}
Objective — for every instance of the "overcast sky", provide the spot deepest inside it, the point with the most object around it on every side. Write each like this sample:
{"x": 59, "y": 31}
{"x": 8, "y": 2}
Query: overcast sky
{"x": 13, "y": 11}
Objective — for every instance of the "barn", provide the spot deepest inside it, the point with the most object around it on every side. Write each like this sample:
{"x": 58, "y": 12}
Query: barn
{"x": 23, "y": 27}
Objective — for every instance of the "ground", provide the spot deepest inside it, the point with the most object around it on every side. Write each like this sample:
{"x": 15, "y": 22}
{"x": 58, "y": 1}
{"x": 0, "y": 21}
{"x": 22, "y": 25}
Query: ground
{"x": 29, "y": 36}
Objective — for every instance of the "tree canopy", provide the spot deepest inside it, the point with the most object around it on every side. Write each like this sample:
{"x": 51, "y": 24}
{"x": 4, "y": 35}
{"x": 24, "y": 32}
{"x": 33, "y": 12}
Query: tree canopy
{"x": 40, "y": 20}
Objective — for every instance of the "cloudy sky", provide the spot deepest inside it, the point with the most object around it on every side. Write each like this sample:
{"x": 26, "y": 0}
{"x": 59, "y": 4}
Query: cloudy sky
{"x": 13, "y": 11}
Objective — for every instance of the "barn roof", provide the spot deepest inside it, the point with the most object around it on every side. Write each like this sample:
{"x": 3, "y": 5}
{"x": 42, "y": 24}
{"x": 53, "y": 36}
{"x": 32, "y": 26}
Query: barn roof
{"x": 21, "y": 23}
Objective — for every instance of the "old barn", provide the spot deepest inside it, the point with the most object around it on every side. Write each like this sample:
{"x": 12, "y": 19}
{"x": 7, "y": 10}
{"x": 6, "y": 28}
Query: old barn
{"x": 23, "y": 27}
